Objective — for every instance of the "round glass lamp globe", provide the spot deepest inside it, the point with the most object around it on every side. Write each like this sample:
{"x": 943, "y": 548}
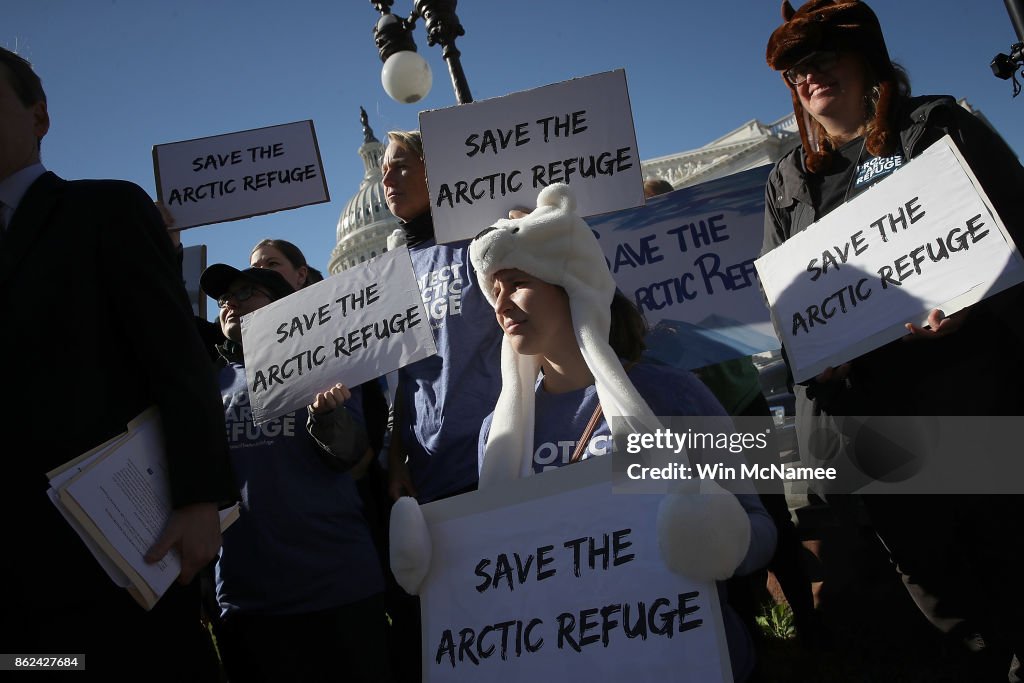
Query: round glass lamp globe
{"x": 406, "y": 77}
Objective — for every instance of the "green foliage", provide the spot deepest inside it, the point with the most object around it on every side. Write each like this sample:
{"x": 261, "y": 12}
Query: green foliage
{"x": 777, "y": 622}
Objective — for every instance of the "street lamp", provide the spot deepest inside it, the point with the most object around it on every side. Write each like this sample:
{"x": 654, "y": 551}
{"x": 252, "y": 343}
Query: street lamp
{"x": 406, "y": 76}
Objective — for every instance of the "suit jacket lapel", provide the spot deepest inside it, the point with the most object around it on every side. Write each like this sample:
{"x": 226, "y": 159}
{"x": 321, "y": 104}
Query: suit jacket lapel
{"x": 29, "y": 223}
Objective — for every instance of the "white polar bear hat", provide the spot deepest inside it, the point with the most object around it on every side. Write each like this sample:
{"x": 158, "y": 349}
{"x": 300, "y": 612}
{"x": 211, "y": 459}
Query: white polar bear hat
{"x": 701, "y": 534}
{"x": 555, "y": 245}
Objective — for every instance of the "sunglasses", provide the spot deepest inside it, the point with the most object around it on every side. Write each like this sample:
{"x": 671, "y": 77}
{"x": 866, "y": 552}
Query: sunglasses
{"x": 241, "y": 294}
{"x": 816, "y": 61}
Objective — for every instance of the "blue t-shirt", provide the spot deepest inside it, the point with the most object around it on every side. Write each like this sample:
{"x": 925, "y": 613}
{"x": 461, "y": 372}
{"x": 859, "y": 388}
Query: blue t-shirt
{"x": 447, "y": 396}
{"x": 301, "y": 543}
{"x": 560, "y": 420}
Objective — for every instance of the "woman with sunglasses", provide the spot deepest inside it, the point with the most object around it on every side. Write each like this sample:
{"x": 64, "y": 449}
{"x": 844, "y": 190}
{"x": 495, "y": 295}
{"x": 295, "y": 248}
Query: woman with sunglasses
{"x": 298, "y": 574}
{"x": 858, "y": 124}
{"x": 287, "y": 259}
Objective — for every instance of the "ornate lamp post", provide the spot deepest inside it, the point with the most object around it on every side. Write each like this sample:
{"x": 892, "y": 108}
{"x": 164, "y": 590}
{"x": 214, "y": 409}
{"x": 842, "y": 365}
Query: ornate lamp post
{"x": 406, "y": 76}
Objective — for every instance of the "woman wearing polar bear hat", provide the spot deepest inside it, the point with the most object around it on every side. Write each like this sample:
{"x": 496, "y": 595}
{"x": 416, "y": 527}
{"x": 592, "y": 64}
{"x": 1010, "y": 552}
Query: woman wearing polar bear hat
{"x": 553, "y": 296}
{"x": 568, "y": 334}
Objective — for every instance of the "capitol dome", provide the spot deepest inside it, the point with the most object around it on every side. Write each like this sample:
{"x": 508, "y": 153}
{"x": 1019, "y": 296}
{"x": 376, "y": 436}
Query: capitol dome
{"x": 365, "y": 222}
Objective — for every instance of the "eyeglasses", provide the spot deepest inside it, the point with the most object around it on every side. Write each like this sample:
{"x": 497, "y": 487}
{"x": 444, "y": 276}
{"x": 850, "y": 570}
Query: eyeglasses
{"x": 816, "y": 61}
{"x": 241, "y": 294}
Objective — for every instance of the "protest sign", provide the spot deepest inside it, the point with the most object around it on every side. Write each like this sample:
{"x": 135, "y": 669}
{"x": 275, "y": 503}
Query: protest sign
{"x": 193, "y": 263}
{"x": 925, "y": 237}
{"x": 237, "y": 175}
{"x": 485, "y": 158}
{"x": 350, "y": 328}
{"x": 686, "y": 259}
{"x": 553, "y": 574}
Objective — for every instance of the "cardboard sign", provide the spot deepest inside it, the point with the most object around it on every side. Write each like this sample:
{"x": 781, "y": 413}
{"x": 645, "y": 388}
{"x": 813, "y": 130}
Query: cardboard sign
{"x": 193, "y": 263}
{"x": 553, "y": 577}
{"x": 686, "y": 259}
{"x": 350, "y": 328}
{"x": 925, "y": 237}
{"x": 238, "y": 175}
{"x": 488, "y": 157}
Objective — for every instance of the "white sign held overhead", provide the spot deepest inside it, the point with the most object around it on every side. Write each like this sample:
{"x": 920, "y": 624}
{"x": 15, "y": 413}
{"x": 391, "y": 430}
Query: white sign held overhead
{"x": 350, "y": 328}
{"x": 238, "y": 175}
{"x": 926, "y": 237}
{"x": 488, "y": 157}
{"x": 555, "y": 573}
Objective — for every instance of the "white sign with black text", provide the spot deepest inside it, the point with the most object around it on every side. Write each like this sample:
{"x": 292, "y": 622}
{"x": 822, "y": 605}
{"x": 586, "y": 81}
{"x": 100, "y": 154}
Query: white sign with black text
{"x": 488, "y": 157}
{"x": 553, "y": 574}
{"x": 350, "y": 328}
{"x": 926, "y": 237}
{"x": 238, "y": 175}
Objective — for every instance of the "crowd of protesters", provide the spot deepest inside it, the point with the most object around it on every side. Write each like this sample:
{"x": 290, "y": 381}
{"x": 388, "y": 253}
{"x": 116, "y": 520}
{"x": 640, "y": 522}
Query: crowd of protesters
{"x": 540, "y": 347}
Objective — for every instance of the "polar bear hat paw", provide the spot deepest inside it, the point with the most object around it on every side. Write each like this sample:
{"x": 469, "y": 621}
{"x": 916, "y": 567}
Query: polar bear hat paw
{"x": 703, "y": 535}
{"x": 410, "y": 544}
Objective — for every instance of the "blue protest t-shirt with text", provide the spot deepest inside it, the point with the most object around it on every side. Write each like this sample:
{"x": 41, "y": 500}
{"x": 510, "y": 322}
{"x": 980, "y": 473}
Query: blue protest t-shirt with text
{"x": 447, "y": 396}
{"x": 560, "y": 419}
{"x": 301, "y": 542}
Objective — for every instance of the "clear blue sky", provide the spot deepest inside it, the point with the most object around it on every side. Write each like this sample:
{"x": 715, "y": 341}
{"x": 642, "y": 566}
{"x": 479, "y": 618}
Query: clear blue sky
{"x": 123, "y": 75}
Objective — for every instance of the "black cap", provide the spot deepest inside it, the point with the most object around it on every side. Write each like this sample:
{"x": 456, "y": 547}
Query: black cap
{"x": 216, "y": 280}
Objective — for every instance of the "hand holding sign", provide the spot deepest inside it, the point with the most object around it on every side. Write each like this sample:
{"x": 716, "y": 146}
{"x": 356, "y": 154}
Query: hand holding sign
{"x": 328, "y": 400}
{"x": 925, "y": 238}
{"x": 352, "y": 327}
{"x": 835, "y": 374}
{"x": 938, "y": 325}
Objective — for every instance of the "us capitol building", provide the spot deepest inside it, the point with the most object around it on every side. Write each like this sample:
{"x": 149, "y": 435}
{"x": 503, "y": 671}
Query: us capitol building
{"x": 365, "y": 222}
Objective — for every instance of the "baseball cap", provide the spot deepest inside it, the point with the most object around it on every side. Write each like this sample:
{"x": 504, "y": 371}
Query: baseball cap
{"x": 216, "y": 280}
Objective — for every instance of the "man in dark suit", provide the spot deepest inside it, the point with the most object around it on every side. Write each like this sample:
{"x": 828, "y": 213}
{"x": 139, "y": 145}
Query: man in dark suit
{"x": 96, "y": 328}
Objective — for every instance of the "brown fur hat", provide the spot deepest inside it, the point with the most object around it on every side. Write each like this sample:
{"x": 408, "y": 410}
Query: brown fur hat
{"x": 847, "y": 25}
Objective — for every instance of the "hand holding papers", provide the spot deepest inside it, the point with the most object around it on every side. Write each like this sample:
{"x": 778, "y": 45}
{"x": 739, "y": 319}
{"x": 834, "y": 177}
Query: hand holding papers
{"x": 117, "y": 498}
